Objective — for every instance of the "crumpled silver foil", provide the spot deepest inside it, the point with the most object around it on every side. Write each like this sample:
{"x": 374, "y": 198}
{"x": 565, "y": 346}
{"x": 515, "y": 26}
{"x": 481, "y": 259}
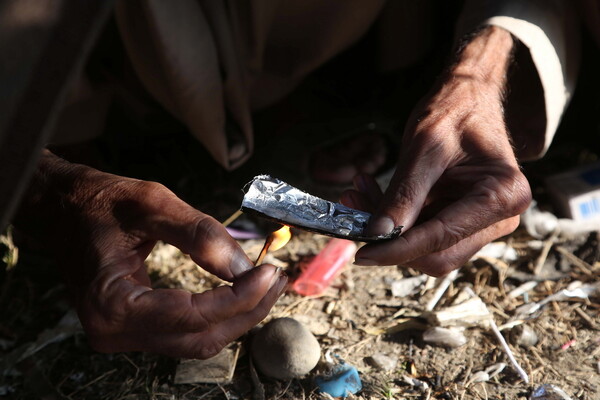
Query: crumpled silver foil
{"x": 274, "y": 199}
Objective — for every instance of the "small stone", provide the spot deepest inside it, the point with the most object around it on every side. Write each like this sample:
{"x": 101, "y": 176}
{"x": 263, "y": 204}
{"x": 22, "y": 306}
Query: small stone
{"x": 524, "y": 336}
{"x": 285, "y": 349}
{"x": 382, "y": 362}
{"x": 444, "y": 337}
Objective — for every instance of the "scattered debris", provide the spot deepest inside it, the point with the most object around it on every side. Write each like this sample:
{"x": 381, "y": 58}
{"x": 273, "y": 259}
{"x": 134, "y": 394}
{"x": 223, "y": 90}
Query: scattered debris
{"x": 407, "y": 286}
{"x": 498, "y": 250}
{"x": 285, "y": 349}
{"x": 522, "y": 289}
{"x": 342, "y": 381}
{"x": 472, "y": 312}
{"x": 383, "y": 362}
{"x": 441, "y": 289}
{"x": 573, "y": 292}
{"x": 524, "y": 336}
{"x": 218, "y": 369}
{"x": 68, "y": 326}
{"x": 447, "y": 337}
{"x": 508, "y": 352}
{"x": 416, "y": 383}
{"x": 487, "y": 374}
{"x": 549, "y": 392}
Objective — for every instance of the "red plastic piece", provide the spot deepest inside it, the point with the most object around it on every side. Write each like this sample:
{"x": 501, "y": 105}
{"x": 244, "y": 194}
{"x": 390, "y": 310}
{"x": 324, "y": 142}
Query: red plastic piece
{"x": 324, "y": 267}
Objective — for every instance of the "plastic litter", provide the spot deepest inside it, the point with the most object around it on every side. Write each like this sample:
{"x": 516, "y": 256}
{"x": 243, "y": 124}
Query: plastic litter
{"x": 444, "y": 337}
{"x": 407, "y": 286}
{"x": 342, "y": 381}
{"x": 549, "y": 392}
{"x": 324, "y": 267}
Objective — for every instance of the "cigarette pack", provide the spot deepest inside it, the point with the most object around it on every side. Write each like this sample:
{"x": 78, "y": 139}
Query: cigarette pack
{"x": 576, "y": 193}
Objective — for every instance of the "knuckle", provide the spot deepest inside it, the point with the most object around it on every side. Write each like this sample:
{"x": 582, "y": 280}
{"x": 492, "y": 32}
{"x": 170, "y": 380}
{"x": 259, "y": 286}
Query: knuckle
{"x": 449, "y": 235}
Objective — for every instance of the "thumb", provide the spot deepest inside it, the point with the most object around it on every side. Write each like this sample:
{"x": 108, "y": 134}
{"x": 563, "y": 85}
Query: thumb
{"x": 166, "y": 217}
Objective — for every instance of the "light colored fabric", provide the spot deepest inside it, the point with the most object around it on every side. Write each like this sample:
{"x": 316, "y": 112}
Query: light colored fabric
{"x": 211, "y": 62}
{"x": 549, "y": 29}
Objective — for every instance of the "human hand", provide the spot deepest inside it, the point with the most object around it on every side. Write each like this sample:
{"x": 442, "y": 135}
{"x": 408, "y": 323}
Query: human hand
{"x": 102, "y": 228}
{"x": 458, "y": 185}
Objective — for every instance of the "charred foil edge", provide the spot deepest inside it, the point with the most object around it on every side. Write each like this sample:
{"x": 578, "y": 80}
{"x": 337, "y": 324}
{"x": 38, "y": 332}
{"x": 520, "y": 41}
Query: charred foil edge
{"x": 273, "y": 199}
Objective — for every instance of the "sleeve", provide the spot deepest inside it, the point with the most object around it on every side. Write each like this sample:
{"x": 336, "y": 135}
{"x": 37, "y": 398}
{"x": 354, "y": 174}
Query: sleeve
{"x": 549, "y": 33}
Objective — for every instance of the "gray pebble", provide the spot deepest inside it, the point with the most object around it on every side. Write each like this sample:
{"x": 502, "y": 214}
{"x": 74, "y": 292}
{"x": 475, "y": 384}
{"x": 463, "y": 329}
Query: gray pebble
{"x": 285, "y": 349}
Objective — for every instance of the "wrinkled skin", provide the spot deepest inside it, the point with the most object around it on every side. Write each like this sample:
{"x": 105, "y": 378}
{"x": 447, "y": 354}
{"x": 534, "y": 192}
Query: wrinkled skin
{"x": 103, "y": 226}
{"x": 458, "y": 185}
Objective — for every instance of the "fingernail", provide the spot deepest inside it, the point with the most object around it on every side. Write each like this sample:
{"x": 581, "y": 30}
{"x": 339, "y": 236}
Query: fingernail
{"x": 381, "y": 226}
{"x": 281, "y": 285}
{"x": 275, "y": 278}
{"x": 365, "y": 262}
{"x": 240, "y": 264}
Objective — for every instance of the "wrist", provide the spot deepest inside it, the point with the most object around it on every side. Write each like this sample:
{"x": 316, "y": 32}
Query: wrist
{"x": 56, "y": 193}
{"x": 485, "y": 58}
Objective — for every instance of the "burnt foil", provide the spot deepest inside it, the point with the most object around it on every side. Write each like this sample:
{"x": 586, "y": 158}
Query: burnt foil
{"x": 276, "y": 200}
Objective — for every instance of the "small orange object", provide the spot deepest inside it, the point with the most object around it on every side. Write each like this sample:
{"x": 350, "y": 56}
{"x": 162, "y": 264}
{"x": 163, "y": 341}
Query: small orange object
{"x": 324, "y": 267}
{"x": 275, "y": 241}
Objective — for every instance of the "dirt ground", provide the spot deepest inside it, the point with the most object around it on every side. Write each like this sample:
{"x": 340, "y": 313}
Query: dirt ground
{"x": 355, "y": 319}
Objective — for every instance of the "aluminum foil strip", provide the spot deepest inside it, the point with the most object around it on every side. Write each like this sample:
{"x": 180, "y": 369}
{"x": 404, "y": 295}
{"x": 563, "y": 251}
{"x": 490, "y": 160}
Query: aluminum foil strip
{"x": 274, "y": 199}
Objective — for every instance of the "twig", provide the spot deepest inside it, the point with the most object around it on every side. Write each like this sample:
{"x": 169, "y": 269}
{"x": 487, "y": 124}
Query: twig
{"x": 104, "y": 375}
{"x": 576, "y": 261}
{"x": 232, "y": 218}
{"x": 508, "y": 352}
{"x": 441, "y": 289}
{"x": 544, "y": 254}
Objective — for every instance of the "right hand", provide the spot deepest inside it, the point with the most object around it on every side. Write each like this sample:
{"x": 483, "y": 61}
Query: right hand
{"x": 103, "y": 227}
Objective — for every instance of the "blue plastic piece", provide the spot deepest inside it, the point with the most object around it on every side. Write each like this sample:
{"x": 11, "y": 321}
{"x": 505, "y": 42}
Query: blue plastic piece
{"x": 344, "y": 380}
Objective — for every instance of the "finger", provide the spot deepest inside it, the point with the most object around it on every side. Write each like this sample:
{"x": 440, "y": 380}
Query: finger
{"x": 220, "y": 335}
{"x": 117, "y": 304}
{"x": 497, "y": 197}
{"x": 415, "y": 175}
{"x": 443, "y": 262}
{"x": 203, "y": 344}
{"x": 357, "y": 200}
{"x": 170, "y": 219}
{"x": 367, "y": 185}
{"x": 180, "y": 311}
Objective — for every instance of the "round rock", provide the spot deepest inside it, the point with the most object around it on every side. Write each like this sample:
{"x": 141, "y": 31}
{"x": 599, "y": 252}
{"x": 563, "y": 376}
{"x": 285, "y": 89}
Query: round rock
{"x": 285, "y": 349}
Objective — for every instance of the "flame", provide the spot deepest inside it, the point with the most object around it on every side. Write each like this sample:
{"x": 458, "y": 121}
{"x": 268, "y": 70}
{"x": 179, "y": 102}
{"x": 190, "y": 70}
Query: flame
{"x": 280, "y": 237}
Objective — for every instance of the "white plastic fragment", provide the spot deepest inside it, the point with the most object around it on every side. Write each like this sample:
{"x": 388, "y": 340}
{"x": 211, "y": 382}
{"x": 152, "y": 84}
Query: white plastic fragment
{"x": 487, "y": 374}
{"x": 522, "y": 289}
{"x": 581, "y": 292}
{"x": 472, "y": 312}
{"x": 407, "y": 286}
{"x": 538, "y": 223}
{"x": 549, "y": 392}
{"x": 447, "y": 337}
{"x": 416, "y": 383}
{"x": 508, "y": 352}
{"x": 441, "y": 289}
{"x": 499, "y": 250}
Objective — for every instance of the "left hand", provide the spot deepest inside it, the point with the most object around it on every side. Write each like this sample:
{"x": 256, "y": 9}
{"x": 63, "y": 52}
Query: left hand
{"x": 458, "y": 185}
